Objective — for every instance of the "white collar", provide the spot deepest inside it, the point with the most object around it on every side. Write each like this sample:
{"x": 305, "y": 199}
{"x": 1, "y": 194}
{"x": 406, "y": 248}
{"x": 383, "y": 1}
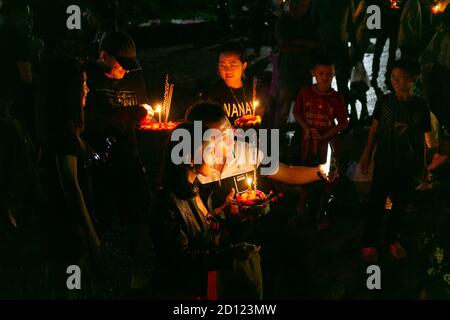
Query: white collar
{"x": 233, "y": 166}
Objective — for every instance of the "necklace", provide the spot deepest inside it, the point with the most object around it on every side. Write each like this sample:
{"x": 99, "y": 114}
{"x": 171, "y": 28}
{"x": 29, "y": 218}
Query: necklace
{"x": 234, "y": 96}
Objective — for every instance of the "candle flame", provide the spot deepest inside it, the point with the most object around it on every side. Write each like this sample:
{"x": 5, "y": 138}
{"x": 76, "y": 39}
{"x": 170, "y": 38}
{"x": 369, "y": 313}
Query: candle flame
{"x": 255, "y": 105}
{"x": 394, "y": 4}
{"x": 327, "y": 165}
{"x": 158, "y": 108}
{"x": 438, "y": 8}
{"x": 249, "y": 181}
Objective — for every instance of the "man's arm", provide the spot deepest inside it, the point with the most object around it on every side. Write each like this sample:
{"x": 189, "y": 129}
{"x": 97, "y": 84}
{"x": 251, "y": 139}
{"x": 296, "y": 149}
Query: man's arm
{"x": 111, "y": 117}
{"x": 368, "y": 150}
{"x": 298, "y": 115}
{"x": 341, "y": 117}
{"x": 67, "y": 170}
{"x": 303, "y": 124}
{"x": 296, "y": 174}
{"x": 301, "y": 121}
{"x": 25, "y": 72}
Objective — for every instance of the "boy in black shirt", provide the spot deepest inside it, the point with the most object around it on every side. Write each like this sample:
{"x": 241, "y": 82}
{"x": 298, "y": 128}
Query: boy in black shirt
{"x": 400, "y": 121}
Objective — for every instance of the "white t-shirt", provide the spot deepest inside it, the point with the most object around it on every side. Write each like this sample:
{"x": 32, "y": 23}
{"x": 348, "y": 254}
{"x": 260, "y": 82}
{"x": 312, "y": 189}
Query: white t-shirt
{"x": 242, "y": 160}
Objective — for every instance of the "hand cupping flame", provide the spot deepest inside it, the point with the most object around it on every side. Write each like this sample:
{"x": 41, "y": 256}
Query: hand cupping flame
{"x": 329, "y": 170}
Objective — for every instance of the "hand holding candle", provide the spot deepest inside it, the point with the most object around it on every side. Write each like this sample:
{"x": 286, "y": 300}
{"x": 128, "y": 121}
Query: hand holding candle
{"x": 149, "y": 109}
{"x": 394, "y": 4}
{"x": 439, "y": 7}
{"x": 326, "y": 167}
{"x": 327, "y": 164}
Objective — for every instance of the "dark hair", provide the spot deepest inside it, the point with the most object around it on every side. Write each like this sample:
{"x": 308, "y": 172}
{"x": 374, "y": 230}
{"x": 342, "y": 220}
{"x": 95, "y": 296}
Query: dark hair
{"x": 6, "y": 95}
{"x": 6, "y": 101}
{"x": 322, "y": 59}
{"x": 446, "y": 16}
{"x": 60, "y": 107}
{"x": 236, "y": 48}
{"x": 174, "y": 177}
{"x": 410, "y": 66}
{"x": 107, "y": 10}
{"x": 14, "y": 7}
{"x": 205, "y": 111}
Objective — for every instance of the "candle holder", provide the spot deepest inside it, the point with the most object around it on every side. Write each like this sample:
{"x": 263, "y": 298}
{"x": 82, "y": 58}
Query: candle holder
{"x": 255, "y": 204}
{"x": 149, "y": 125}
{"x": 247, "y": 121}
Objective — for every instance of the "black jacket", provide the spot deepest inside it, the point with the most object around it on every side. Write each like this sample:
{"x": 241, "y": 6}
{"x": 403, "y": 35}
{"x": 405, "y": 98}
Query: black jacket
{"x": 185, "y": 248}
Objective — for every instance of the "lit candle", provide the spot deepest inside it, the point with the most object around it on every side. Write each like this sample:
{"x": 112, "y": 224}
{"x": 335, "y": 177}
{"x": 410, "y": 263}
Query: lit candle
{"x": 326, "y": 166}
{"x": 158, "y": 110}
{"x": 394, "y": 4}
{"x": 439, "y": 7}
{"x": 251, "y": 188}
{"x": 249, "y": 182}
{"x": 255, "y": 105}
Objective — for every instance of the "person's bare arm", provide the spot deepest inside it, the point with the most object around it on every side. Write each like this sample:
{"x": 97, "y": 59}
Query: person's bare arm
{"x": 358, "y": 11}
{"x": 368, "y": 150}
{"x": 437, "y": 160}
{"x": 25, "y": 72}
{"x": 296, "y": 174}
{"x": 67, "y": 170}
{"x": 303, "y": 124}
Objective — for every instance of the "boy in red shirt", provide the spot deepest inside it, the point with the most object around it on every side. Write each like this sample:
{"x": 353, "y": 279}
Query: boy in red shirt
{"x": 322, "y": 115}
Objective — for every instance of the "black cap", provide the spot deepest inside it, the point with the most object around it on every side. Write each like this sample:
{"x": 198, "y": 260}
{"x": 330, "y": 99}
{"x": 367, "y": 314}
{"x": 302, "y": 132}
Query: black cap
{"x": 122, "y": 47}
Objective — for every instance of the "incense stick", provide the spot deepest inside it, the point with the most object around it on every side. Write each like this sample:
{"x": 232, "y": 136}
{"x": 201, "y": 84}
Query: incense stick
{"x": 169, "y": 102}
{"x": 166, "y": 95}
{"x": 254, "y": 95}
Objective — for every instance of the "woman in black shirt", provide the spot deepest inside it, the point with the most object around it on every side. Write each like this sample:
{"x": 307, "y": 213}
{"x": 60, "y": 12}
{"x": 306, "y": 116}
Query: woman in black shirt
{"x": 185, "y": 230}
{"x": 69, "y": 229}
{"x": 233, "y": 90}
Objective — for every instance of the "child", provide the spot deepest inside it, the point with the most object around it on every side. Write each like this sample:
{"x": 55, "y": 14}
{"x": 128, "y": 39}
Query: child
{"x": 400, "y": 121}
{"x": 316, "y": 109}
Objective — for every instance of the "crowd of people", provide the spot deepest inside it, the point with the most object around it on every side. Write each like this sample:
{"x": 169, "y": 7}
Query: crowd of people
{"x": 72, "y": 173}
